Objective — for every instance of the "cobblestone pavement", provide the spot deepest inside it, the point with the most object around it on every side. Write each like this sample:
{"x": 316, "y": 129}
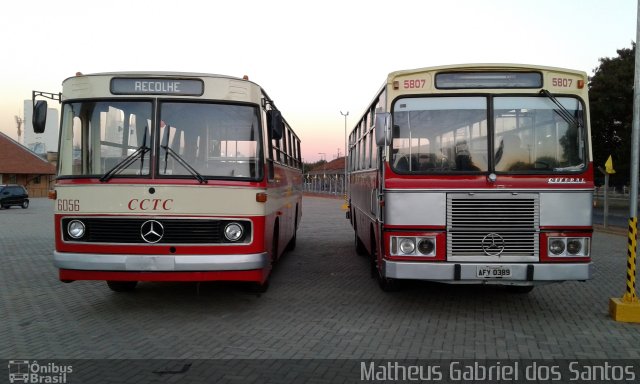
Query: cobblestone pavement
{"x": 322, "y": 304}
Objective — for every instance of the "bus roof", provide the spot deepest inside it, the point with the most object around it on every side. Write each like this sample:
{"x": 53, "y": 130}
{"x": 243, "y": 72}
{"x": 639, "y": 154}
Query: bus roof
{"x": 159, "y": 74}
{"x": 485, "y": 66}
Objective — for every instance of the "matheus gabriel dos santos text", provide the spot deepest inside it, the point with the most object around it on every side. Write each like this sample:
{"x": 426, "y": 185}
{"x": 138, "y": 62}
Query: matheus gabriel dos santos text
{"x": 515, "y": 371}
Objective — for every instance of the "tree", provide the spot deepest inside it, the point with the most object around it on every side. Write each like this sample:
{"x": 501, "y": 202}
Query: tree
{"x": 611, "y": 98}
{"x": 306, "y": 167}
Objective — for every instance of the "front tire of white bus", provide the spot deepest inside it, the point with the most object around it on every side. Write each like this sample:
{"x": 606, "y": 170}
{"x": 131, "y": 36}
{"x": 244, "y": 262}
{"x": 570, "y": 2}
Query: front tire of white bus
{"x": 360, "y": 248}
{"x": 520, "y": 289}
{"x": 292, "y": 243}
{"x": 385, "y": 283}
{"x": 259, "y": 287}
{"x": 388, "y": 285}
{"x": 122, "y": 286}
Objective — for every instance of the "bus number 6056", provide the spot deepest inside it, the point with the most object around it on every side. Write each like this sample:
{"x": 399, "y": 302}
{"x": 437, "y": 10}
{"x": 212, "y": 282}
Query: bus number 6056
{"x": 68, "y": 205}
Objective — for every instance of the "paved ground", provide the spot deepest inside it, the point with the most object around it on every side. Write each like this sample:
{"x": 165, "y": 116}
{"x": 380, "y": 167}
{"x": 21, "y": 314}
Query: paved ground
{"x": 322, "y": 304}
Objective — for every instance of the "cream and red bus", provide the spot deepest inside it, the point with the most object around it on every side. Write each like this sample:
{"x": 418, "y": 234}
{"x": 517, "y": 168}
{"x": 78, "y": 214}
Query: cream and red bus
{"x": 475, "y": 174}
{"x": 171, "y": 177}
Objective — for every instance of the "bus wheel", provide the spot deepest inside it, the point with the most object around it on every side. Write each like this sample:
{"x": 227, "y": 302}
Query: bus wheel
{"x": 274, "y": 245}
{"x": 520, "y": 289}
{"x": 259, "y": 287}
{"x": 292, "y": 243}
{"x": 386, "y": 284}
{"x": 122, "y": 286}
{"x": 360, "y": 249}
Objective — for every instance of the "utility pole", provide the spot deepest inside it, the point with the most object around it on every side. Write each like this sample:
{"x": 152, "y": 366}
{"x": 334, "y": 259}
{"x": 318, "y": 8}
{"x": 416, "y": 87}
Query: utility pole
{"x": 627, "y": 308}
{"x": 346, "y": 151}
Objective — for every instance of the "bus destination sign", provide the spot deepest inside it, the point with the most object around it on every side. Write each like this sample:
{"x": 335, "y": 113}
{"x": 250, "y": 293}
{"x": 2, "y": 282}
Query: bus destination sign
{"x": 155, "y": 86}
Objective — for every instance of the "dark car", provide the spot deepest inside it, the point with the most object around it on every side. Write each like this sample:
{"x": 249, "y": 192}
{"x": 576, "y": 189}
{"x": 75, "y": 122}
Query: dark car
{"x": 13, "y": 195}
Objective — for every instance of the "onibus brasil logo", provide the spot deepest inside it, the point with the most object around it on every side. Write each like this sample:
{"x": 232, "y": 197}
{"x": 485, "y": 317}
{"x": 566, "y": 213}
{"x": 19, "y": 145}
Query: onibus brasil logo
{"x": 25, "y": 371}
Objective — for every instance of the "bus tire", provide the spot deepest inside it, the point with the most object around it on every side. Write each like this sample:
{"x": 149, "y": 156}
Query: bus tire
{"x": 256, "y": 287}
{"x": 520, "y": 289}
{"x": 292, "y": 243}
{"x": 122, "y": 286}
{"x": 386, "y": 284}
{"x": 360, "y": 249}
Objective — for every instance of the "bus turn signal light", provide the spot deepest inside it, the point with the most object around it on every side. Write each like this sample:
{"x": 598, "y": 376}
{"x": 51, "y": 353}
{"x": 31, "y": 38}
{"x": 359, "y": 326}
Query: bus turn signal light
{"x": 261, "y": 197}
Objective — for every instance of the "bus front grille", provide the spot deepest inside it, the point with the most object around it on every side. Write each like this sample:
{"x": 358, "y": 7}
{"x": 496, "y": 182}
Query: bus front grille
{"x": 174, "y": 231}
{"x": 493, "y": 224}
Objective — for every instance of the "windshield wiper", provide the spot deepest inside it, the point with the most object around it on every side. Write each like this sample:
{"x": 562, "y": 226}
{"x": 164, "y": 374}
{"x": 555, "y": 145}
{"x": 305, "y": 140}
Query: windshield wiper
{"x": 562, "y": 111}
{"x": 126, "y": 162}
{"x": 181, "y": 161}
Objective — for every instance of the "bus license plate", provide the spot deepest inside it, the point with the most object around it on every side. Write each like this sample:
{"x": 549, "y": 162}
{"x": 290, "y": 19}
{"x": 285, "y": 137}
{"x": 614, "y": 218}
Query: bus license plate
{"x": 493, "y": 271}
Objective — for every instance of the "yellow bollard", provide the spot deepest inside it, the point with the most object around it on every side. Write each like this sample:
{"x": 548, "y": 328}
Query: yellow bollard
{"x": 627, "y": 309}
{"x": 345, "y": 205}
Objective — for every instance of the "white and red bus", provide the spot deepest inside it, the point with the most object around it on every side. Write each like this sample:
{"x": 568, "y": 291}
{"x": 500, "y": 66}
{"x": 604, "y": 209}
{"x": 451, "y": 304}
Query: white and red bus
{"x": 475, "y": 174}
{"x": 171, "y": 177}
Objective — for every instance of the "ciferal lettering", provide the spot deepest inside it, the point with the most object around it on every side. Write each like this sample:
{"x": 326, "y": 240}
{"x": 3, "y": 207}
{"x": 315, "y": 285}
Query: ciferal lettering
{"x": 566, "y": 180}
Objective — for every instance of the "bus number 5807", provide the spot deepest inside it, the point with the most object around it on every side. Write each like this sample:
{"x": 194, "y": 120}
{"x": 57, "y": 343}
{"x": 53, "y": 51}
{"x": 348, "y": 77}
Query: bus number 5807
{"x": 561, "y": 82}
{"x": 417, "y": 83}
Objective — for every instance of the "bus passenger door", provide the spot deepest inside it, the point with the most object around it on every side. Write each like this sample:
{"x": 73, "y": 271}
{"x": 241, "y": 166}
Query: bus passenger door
{"x": 377, "y": 201}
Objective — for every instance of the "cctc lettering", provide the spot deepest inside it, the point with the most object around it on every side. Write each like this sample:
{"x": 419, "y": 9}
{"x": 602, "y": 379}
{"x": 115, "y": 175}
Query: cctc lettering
{"x": 150, "y": 204}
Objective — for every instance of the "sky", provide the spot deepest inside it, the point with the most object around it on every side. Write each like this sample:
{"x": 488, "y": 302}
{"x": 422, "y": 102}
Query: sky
{"x": 314, "y": 59}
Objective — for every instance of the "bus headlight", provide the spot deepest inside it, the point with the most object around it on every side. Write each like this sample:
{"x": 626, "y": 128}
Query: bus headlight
{"x": 418, "y": 246}
{"x": 76, "y": 229}
{"x": 574, "y": 246}
{"x": 426, "y": 246}
{"x": 556, "y": 246}
{"x": 569, "y": 246}
{"x": 233, "y": 231}
{"x": 407, "y": 246}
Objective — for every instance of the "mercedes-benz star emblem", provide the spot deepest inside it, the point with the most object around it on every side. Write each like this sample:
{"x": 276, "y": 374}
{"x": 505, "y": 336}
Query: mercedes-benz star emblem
{"x": 493, "y": 244}
{"x": 151, "y": 231}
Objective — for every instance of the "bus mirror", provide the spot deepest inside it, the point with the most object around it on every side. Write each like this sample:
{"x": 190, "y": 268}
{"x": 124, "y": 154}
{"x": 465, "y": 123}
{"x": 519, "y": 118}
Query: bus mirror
{"x": 275, "y": 124}
{"x": 382, "y": 123}
{"x": 39, "y": 116}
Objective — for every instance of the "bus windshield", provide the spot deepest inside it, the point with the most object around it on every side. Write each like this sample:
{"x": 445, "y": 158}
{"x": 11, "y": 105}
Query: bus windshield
{"x": 113, "y": 138}
{"x": 453, "y": 134}
{"x": 98, "y": 136}
{"x": 217, "y": 140}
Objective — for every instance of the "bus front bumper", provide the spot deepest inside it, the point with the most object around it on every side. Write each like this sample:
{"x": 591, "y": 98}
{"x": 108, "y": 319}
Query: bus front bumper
{"x": 468, "y": 272}
{"x": 124, "y": 267}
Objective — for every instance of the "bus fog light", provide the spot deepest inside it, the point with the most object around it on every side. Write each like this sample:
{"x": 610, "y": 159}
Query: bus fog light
{"x": 76, "y": 229}
{"x": 574, "y": 246}
{"x": 556, "y": 246}
{"x": 426, "y": 246}
{"x": 407, "y": 246}
{"x": 233, "y": 231}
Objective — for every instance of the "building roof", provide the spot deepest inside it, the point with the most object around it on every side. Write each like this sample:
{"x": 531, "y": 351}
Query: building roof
{"x": 15, "y": 158}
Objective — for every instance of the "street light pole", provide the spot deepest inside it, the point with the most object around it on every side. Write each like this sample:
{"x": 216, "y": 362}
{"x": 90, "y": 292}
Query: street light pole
{"x": 345, "y": 156}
